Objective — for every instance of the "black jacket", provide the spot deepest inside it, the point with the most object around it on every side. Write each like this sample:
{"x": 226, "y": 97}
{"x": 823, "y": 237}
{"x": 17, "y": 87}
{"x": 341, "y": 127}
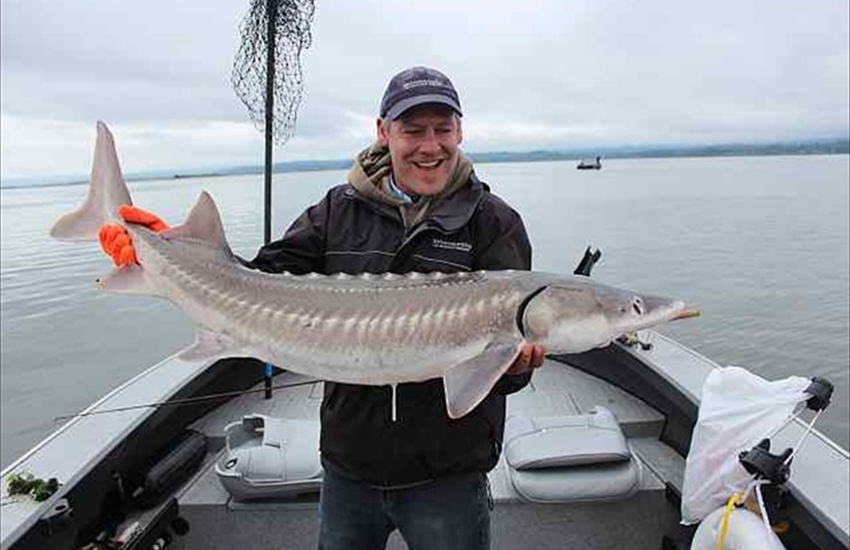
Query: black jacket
{"x": 347, "y": 232}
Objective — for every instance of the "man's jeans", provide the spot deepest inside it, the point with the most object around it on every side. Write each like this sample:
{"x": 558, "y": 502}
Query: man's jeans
{"x": 446, "y": 514}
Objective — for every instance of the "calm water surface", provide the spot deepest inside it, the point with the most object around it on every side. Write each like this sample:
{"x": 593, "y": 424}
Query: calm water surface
{"x": 760, "y": 244}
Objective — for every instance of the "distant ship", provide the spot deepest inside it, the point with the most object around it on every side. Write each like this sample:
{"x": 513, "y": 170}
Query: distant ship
{"x": 587, "y": 165}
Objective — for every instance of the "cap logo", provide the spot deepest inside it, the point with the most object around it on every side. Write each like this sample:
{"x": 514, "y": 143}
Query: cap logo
{"x": 424, "y": 82}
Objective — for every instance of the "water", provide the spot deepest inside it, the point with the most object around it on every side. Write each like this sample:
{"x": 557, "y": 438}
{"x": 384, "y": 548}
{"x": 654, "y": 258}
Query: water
{"x": 760, "y": 244}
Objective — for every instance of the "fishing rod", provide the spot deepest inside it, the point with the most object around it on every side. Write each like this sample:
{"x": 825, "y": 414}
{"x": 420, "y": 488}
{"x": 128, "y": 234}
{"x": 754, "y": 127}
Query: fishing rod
{"x": 187, "y": 401}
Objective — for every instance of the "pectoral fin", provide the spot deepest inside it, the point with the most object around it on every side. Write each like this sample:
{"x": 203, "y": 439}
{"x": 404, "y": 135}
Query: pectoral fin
{"x": 468, "y": 383}
{"x": 209, "y": 345}
{"x": 129, "y": 279}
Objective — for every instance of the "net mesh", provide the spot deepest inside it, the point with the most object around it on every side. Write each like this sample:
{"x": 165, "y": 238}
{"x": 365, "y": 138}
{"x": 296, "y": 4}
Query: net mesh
{"x": 292, "y": 36}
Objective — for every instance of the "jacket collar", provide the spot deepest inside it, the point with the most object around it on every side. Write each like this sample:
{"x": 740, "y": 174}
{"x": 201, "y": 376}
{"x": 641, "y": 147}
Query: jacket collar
{"x": 450, "y": 215}
{"x": 371, "y": 173}
{"x": 458, "y": 208}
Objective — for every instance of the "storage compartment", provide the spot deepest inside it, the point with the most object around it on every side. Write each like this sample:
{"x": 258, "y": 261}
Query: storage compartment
{"x": 170, "y": 471}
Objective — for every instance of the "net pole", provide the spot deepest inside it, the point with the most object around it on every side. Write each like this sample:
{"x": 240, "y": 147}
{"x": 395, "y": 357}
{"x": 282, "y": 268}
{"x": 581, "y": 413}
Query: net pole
{"x": 271, "y": 16}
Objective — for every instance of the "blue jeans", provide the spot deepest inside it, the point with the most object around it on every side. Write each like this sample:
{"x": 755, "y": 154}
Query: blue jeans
{"x": 445, "y": 514}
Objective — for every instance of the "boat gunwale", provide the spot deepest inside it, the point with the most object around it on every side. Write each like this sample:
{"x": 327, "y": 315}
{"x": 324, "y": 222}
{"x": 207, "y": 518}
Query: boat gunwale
{"x": 76, "y": 418}
{"x": 841, "y": 533}
{"x": 27, "y": 520}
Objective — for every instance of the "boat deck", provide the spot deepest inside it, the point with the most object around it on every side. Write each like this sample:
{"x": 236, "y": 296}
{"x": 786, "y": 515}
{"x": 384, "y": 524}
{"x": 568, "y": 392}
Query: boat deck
{"x": 556, "y": 390}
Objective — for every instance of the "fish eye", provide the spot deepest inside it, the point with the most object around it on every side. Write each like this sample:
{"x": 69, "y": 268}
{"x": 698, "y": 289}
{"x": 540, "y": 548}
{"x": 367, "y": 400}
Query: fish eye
{"x": 637, "y": 305}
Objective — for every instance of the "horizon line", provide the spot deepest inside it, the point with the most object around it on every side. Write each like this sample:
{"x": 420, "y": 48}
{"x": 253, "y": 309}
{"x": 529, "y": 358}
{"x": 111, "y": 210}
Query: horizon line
{"x": 837, "y": 145}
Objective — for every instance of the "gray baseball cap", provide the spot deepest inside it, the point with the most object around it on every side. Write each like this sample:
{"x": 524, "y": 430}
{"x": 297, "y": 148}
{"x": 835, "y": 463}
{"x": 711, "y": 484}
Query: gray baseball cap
{"x": 417, "y": 86}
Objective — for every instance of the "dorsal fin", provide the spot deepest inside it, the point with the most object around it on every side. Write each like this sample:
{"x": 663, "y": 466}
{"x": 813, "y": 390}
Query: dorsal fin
{"x": 203, "y": 224}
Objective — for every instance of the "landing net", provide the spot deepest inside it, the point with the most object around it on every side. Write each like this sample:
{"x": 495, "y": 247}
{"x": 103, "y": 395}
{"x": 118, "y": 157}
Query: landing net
{"x": 292, "y": 36}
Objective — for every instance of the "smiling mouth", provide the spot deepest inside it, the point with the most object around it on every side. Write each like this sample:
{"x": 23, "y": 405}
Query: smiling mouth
{"x": 428, "y": 165}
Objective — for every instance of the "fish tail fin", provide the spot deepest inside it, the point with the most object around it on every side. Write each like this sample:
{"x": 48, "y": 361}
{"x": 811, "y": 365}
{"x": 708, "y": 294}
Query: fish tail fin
{"x": 107, "y": 191}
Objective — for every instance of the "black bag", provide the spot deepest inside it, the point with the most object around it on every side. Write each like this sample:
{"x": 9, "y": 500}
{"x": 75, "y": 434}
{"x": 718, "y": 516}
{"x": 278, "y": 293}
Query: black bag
{"x": 176, "y": 466}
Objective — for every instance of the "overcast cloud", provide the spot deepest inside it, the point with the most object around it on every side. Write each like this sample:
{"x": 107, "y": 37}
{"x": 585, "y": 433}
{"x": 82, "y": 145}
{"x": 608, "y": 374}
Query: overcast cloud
{"x": 532, "y": 74}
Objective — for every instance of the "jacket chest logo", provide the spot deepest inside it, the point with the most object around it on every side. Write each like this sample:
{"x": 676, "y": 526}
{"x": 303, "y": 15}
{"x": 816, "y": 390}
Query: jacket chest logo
{"x": 459, "y": 246}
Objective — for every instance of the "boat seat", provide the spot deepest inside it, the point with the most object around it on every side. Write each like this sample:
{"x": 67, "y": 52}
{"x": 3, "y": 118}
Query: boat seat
{"x": 267, "y": 457}
{"x": 570, "y": 458}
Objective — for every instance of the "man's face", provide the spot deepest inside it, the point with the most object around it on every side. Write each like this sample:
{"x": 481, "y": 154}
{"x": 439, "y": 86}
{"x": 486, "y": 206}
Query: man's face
{"x": 423, "y": 145}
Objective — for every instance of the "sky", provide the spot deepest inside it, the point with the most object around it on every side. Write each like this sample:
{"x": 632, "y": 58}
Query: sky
{"x": 531, "y": 74}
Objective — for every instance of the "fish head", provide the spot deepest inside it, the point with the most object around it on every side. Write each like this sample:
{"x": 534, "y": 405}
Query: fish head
{"x": 577, "y": 316}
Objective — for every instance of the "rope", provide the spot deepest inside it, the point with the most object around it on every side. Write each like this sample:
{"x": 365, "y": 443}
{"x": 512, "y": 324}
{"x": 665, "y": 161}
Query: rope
{"x": 763, "y": 511}
{"x": 803, "y": 437}
{"x": 733, "y": 501}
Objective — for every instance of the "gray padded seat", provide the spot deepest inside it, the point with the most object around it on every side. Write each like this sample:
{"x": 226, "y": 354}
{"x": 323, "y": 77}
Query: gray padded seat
{"x": 268, "y": 457}
{"x": 570, "y": 458}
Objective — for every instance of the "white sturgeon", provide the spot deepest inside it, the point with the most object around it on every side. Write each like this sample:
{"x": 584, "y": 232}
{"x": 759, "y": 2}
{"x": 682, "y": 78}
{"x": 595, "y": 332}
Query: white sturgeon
{"x": 466, "y": 328}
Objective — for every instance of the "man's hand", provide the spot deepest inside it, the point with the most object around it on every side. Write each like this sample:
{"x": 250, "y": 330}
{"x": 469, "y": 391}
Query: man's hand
{"x": 530, "y": 357}
{"x": 115, "y": 240}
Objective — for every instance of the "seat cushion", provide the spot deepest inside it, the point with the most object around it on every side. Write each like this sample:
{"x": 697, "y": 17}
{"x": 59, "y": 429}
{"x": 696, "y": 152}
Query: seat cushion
{"x": 570, "y": 458}
{"x": 561, "y": 441}
{"x": 597, "y": 482}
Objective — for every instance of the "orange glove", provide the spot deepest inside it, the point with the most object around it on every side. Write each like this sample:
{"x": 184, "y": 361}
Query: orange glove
{"x": 115, "y": 240}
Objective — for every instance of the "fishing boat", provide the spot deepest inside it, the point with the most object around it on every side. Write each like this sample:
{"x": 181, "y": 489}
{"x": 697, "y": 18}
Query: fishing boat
{"x": 223, "y": 454}
{"x": 594, "y": 457}
{"x": 590, "y": 164}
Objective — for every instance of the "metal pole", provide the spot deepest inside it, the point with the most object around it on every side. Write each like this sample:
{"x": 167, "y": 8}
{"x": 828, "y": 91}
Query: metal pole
{"x": 271, "y": 15}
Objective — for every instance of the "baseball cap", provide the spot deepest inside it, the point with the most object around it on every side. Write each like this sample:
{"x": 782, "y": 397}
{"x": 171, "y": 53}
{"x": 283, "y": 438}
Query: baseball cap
{"x": 417, "y": 86}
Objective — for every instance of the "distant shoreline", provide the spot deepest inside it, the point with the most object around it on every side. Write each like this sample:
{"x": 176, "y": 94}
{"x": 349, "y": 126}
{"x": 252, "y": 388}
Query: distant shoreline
{"x": 806, "y": 148}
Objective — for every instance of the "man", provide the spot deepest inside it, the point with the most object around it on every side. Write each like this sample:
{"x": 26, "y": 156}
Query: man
{"x": 412, "y": 202}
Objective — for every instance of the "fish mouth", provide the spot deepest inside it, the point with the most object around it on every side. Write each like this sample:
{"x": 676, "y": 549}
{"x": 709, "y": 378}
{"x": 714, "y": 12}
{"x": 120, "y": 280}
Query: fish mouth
{"x": 687, "y": 313}
{"x": 657, "y": 311}
{"x": 675, "y": 312}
